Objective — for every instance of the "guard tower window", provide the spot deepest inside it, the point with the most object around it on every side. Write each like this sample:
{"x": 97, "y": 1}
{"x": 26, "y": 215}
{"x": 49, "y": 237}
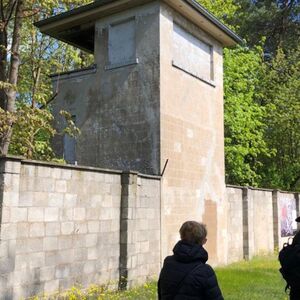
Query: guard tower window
{"x": 122, "y": 43}
{"x": 192, "y": 55}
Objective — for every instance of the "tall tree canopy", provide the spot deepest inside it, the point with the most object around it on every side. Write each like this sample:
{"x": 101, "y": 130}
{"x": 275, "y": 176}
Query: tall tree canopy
{"x": 261, "y": 81}
{"x": 262, "y": 98}
{"x": 26, "y": 59}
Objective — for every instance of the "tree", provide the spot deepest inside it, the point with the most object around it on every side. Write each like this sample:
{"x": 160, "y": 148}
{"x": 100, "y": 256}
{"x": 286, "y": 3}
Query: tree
{"x": 280, "y": 92}
{"x": 224, "y": 10}
{"x": 244, "y": 117}
{"x": 11, "y": 10}
{"x": 276, "y": 21}
{"x": 26, "y": 59}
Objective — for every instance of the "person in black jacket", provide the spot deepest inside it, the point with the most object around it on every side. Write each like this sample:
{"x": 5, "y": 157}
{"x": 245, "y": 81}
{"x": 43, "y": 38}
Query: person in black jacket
{"x": 185, "y": 275}
{"x": 289, "y": 257}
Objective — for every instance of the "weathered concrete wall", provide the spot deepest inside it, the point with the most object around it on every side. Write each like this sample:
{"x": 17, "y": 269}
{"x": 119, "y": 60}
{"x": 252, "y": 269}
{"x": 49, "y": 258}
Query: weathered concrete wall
{"x": 260, "y": 221}
{"x": 117, "y": 107}
{"x": 235, "y": 224}
{"x": 255, "y": 220}
{"x": 192, "y": 138}
{"x": 61, "y": 226}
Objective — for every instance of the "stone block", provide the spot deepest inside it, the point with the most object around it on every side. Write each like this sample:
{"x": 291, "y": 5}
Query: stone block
{"x": 107, "y": 201}
{"x": 56, "y": 200}
{"x": 43, "y": 171}
{"x": 34, "y": 244}
{"x": 52, "y": 229}
{"x": 89, "y": 267}
{"x": 8, "y": 231}
{"x": 47, "y": 273}
{"x": 66, "y": 174}
{"x": 66, "y": 214}
{"x": 45, "y": 184}
{"x": 56, "y": 173}
{"x": 5, "y": 215}
{"x": 65, "y": 242}
{"x": 37, "y": 230}
{"x": 67, "y": 228}
{"x": 92, "y": 213}
{"x": 80, "y": 254}
{"x": 144, "y": 247}
{"x": 106, "y": 213}
{"x": 79, "y": 241}
{"x": 109, "y": 178}
{"x": 35, "y": 214}
{"x": 91, "y": 240}
{"x": 13, "y": 167}
{"x": 93, "y": 253}
{"x": 51, "y": 214}
{"x": 105, "y": 225}
{"x": 36, "y": 260}
{"x": 51, "y": 286}
{"x": 61, "y": 186}
{"x": 40, "y": 199}
{"x": 70, "y": 200}
{"x": 96, "y": 200}
{"x": 10, "y": 198}
{"x": 26, "y": 199}
{"x": 93, "y": 226}
{"x": 27, "y": 184}
{"x": 4, "y": 249}
{"x": 18, "y": 214}
{"x": 81, "y": 228}
{"x": 50, "y": 243}
{"x": 7, "y": 265}
{"x": 79, "y": 213}
{"x": 62, "y": 271}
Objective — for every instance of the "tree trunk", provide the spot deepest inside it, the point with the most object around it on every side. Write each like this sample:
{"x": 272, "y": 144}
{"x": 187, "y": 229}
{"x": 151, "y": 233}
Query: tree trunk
{"x": 13, "y": 74}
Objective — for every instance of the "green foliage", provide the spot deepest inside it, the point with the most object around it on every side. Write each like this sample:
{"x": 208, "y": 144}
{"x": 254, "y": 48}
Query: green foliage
{"x": 244, "y": 126}
{"x": 32, "y": 131}
{"x": 40, "y": 56}
{"x": 276, "y": 21}
{"x": 96, "y": 292}
{"x": 281, "y": 97}
{"x": 225, "y": 10}
{"x": 262, "y": 93}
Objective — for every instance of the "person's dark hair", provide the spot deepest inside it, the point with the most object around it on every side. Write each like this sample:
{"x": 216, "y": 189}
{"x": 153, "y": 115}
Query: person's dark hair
{"x": 193, "y": 232}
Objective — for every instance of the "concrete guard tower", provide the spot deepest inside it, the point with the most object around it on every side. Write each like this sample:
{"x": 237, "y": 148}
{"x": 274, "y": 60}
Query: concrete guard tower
{"x": 154, "y": 93}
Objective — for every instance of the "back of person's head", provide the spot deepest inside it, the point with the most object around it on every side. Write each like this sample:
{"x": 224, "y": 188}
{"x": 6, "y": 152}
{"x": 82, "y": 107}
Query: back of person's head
{"x": 193, "y": 232}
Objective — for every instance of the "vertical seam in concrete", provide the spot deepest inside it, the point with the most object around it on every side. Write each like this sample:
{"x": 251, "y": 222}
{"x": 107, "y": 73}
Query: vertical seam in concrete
{"x": 275, "y": 219}
{"x": 123, "y": 270}
{"x": 245, "y": 223}
{"x": 128, "y": 202}
{"x": 2, "y": 172}
{"x": 297, "y": 208}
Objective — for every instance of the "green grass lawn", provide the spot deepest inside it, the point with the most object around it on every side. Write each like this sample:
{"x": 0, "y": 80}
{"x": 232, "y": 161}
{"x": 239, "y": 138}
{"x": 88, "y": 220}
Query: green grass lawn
{"x": 258, "y": 279}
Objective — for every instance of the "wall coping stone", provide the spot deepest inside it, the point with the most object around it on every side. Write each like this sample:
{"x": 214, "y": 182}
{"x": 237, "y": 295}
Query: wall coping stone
{"x": 24, "y": 161}
{"x": 259, "y": 189}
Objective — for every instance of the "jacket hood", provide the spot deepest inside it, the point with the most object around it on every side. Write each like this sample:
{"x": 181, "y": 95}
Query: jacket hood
{"x": 187, "y": 252}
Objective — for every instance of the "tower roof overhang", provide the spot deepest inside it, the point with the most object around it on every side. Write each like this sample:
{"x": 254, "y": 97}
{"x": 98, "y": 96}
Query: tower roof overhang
{"x": 76, "y": 27}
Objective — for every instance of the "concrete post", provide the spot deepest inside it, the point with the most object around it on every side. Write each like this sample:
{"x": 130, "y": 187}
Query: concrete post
{"x": 245, "y": 224}
{"x": 275, "y": 219}
{"x": 127, "y": 223}
{"x": 9, "y": 200}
